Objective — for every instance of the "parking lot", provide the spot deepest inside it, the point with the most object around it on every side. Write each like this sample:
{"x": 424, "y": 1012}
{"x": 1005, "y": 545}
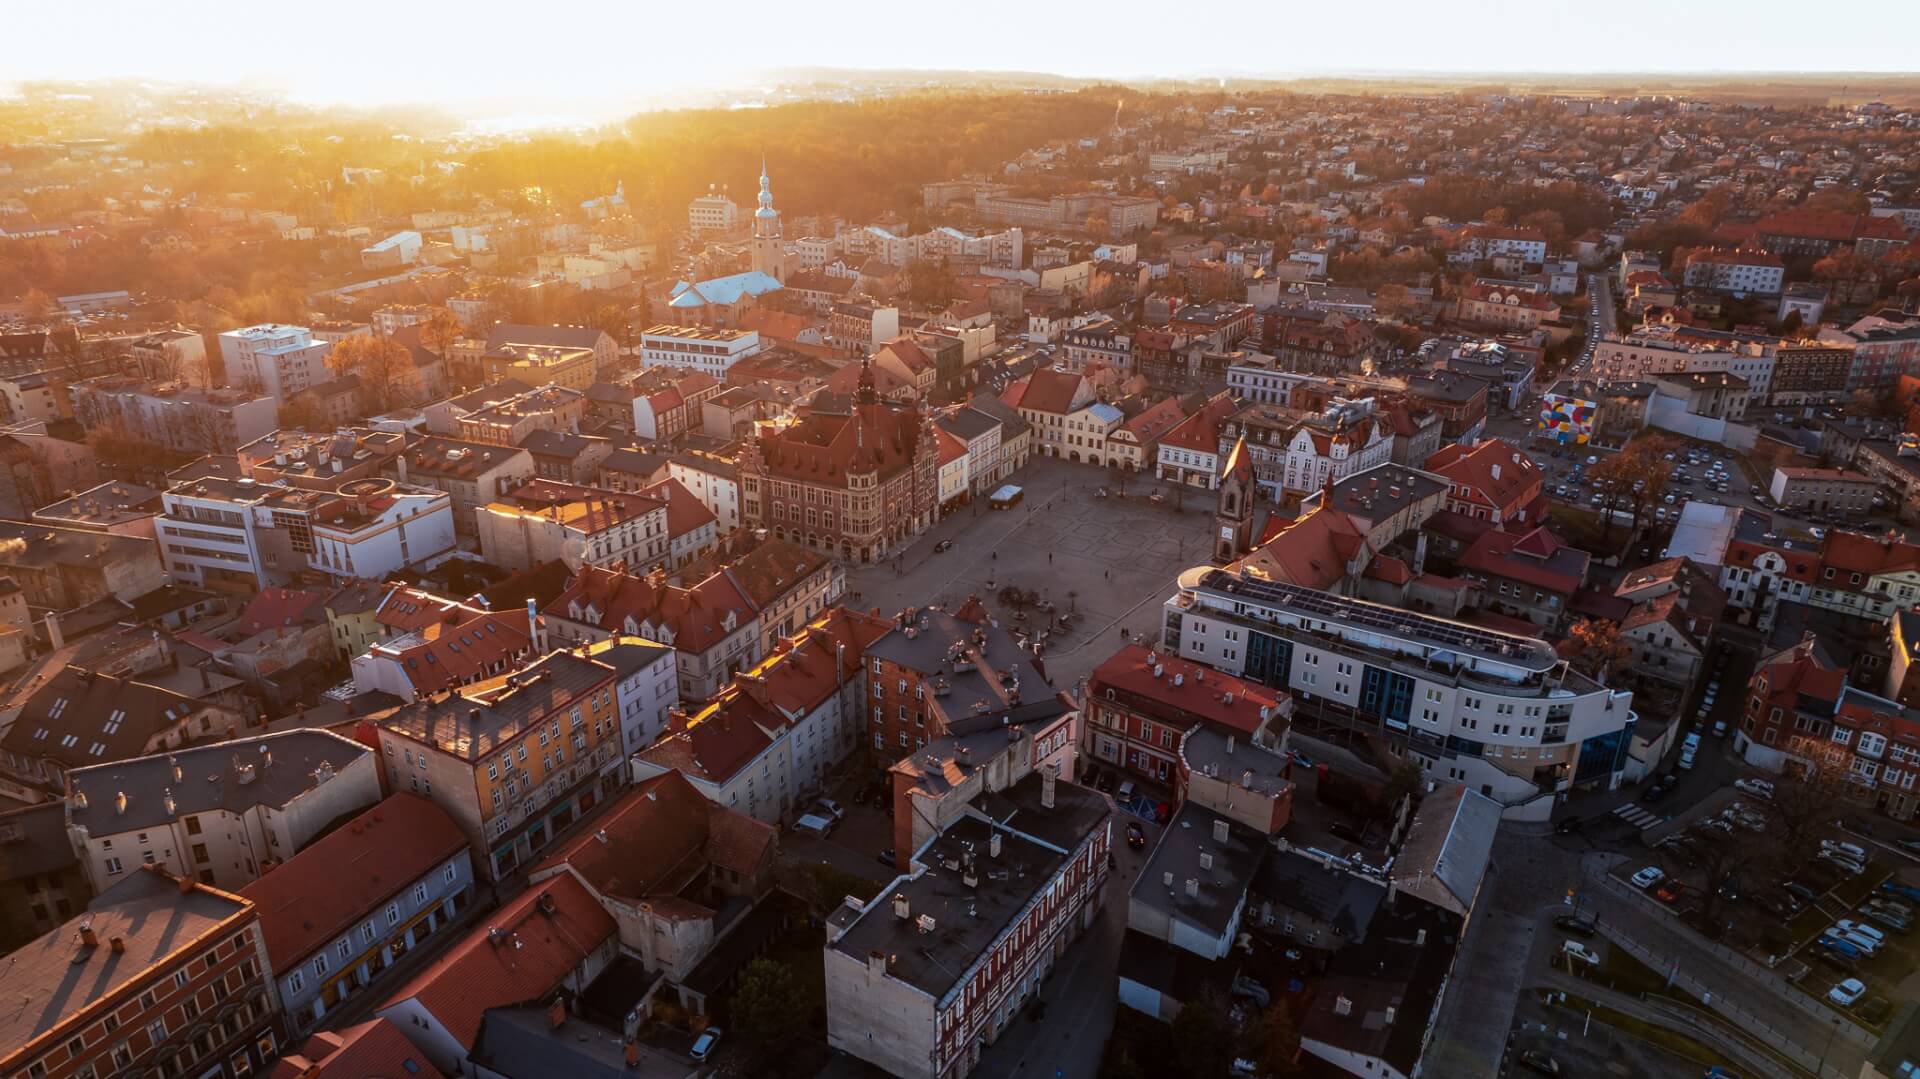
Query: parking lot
{"x": 1838, "y": 917}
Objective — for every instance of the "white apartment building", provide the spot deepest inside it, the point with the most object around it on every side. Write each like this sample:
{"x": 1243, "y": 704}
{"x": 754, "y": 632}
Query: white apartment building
{"x": 1500, "y": 713}
{"x": 218, "y": 813}
{"x": 279, "y": 360}
{"x": 1741, "y": 273}
{"x": 698, "y": 348}
{"x": 1263, "y": 385}
{"x": 646, "y": 687}
{"x": 713, "y": 212}
{"x": 233, "y": 534}
{"x": 715, "y": 481}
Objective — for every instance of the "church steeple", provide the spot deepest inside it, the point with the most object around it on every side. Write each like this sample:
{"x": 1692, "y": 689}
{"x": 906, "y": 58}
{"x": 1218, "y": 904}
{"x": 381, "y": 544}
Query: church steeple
{"x": 769, "y": 248}
{"x": 866, "y": 394}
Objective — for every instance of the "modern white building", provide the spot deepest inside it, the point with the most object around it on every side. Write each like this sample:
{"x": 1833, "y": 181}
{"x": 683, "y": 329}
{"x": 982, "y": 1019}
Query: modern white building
{"x": 698, "y": 348}
{"x": 1741, "y": 273}
{"x": 216, "y": 532}
{"x": 1500, "y": 713}
{"x": 278, "y": 360}
{"x": 715, "y": 481}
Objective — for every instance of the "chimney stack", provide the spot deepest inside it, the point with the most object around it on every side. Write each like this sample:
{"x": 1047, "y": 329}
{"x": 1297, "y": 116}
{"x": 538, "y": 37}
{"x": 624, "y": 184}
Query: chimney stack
{"x": 119, "y": 946}
{"x": 1193, "y": 888}
{"x": 533, "y": 624}
{"x": 88, "y": 939}
{"x": 557, "y": 1013}
{"x": 1047, "y": 782}
{"x": 1220, "y": 831}
{"x": 900, "y": 908}
{"x": 993, "y": 845}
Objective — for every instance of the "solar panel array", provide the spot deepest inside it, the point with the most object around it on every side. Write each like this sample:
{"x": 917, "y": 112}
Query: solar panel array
{"x": 1451, "y": 635}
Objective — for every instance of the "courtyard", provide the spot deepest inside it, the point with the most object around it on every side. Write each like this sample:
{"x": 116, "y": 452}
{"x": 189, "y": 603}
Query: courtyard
{"x": 1103, "y": 563}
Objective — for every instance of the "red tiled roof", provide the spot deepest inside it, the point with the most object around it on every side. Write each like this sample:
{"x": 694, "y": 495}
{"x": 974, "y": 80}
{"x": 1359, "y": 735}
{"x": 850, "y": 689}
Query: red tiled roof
{"x": 339, "y": 879}
{"x": 519, "y": 953}
{"x": 1385, "y": 567}
{"x": 950, "y": 448}
{"x": 1854, "y": 552}
{"x": 452, "y": 653}
{"x": 726, "y": 739}
{"x": 1314, "y": 551}
{"x": 1472, "y": 468}
{"x": 1147, "y": 426}
{"x": 1200, "y": 432}
{"x": 823, "y": 448}
{"x": 659, "y": 837}
{"x": 685, "y": 512}
{"x": 1527, "y": 558}
{"x": 278, "y": 608}
{"x": 1130, "y": 670}
{"x": 695, "y": 616}
{"x": 1802, "y": 223}
{"x": 369, "y": 1049}
{"x": 1048, "y": 390}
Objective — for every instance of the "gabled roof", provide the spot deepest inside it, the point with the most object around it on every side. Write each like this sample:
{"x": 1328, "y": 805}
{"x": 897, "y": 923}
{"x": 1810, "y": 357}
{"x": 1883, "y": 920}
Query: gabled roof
{"x": 512, "y": 333}
{"x": 519, "y": 953}
{"x": 281, "y": 608}
{"x": 1314, "y": 551}
{"x": 692, "y": 619}
{"x": 661, "y": 836}
{"x": 345, "y": 875}
{"x": 685, "y": 512}
{"x": 1537, "y": 558}
{"x": 1200, "y": 432}
{"x": 1493, "y": 473}
{"x": 1048, "y": 390}
{"x": 369, "y": 1049}
{"x": 690, "y": 295}
{"x": 80, "y": 717}
{"x": 1202, "y": 695}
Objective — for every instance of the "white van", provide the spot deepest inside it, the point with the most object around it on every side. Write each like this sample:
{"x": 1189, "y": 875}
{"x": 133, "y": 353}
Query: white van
{"x": 813, "y": 824}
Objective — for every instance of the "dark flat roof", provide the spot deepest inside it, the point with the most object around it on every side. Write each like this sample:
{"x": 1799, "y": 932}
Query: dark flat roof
{"x": 1222, "y": 884}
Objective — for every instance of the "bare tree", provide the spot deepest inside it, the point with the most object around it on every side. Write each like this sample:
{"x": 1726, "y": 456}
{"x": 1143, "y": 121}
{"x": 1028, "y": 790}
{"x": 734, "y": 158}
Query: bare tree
{"x": 384, "y": 365}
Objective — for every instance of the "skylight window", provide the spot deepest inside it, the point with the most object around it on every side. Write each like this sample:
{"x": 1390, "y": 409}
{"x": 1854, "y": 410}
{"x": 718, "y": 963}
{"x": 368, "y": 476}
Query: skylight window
{"x": 59, "y": 706}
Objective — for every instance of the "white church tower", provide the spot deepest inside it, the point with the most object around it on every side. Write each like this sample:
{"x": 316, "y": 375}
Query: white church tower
{"x": 769, "y": 248}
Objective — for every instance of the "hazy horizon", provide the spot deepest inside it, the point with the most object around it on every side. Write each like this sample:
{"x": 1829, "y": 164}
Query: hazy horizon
{"x": 598, "y": 62}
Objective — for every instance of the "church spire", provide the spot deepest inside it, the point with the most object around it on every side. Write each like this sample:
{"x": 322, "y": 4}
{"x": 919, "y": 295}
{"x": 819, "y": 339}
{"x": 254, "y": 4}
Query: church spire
{"x": 866, "y": 394}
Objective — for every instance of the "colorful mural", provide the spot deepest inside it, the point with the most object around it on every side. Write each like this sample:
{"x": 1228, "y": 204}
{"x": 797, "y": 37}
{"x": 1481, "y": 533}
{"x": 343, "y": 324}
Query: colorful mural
{"x": 1566, "y": 420}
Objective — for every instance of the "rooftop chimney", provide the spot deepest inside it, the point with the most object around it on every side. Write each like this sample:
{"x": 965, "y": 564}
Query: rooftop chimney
{"x": 993, "y": 845}
{"x": 118, "y": 945}
{"x": 557, "y": 1013}
{"x": 1206, "y": 859}
{"x": 1047, "y": 782}
{"x": 1342, "y": 1006}
{"x": 88, "y": 939}
{"x": 1230, "y": 741}
{"x": 1220, "y": 831}
{"x": 900, "y": 908}
{"x": 1193, "y": 888}
{"x": 533, "y": 623}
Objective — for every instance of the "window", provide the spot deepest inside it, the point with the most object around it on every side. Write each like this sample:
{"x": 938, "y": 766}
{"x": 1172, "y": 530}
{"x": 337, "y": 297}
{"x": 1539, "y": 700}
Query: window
{"x": 113, "y": 867}
{"x": 193, "y": 825}
{"x": 393, "y": 913}
{"x": 179, "y": 979}
{"x": 450, "y": 873}
{"x": 420, "y": 893}
{"x": 296, "y": 981}
{"x": 157, "y": 1031}
{"x": 321, "y": 966}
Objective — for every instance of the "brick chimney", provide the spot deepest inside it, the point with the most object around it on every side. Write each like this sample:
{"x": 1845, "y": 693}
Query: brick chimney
{"x": 88, "y": 938}
{"x": 557, "y": 1013}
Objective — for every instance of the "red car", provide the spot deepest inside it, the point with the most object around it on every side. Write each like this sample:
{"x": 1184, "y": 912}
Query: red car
{"x": 1670, "y": 892}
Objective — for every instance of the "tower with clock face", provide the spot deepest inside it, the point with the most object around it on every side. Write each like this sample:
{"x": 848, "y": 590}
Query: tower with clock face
{"x": 1233, "y": 521}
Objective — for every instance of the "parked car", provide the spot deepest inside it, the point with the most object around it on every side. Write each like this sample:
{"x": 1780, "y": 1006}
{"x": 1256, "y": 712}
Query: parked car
{"x": 1841, "y": 862}
{"x": 1864, "y": 946}
{"x": 1887, "y": 918}
{"x": 1670, "y": 892}
{"x": 1911, "y": 846}
{"x": 1852, "y": 850}
{"x": 827, "y": 807}
{"x": 704, "y": 1045}
{"x": 885, "y": 857}
{"x": 1581, "y": 924}
{"x": 1649, "y": 876}
{"x": 1537, "y": 1060}
{"x": 1834, "y": 943}
{"x": 1758, "y": 788}
{"x": 1904, "y": 891}
{"x": 1850, "y": 926}
{"x": 1799, "y": 891}
{"x": 1577, "y": 952}
{"x": 1895, "y": 906}
{"x": 1847, "y": 992}
{"x": 1839, "y": 961}
{"x": 1136, "y": 835}
{"x": 1249, "y": 989}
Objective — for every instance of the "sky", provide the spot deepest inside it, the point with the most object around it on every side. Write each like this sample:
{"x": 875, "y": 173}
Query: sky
{"x": 553, "y": 52}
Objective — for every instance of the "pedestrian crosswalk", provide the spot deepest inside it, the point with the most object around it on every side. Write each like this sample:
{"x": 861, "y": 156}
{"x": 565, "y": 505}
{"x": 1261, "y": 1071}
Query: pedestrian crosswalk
{"x": 1638, "y": 817}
